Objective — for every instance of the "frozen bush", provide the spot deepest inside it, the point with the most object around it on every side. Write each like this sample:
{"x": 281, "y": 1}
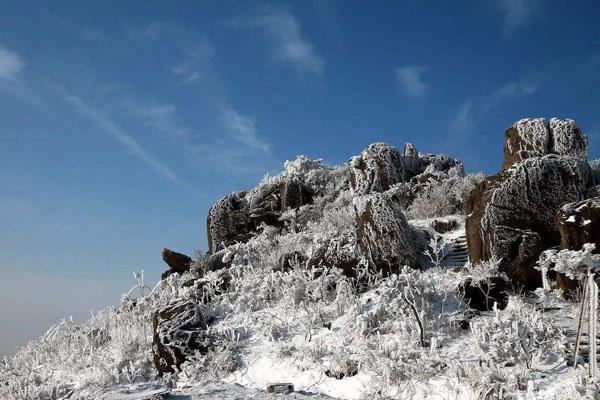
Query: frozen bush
{"x": 518, "y": 335}
{"x": 443, "y": 196}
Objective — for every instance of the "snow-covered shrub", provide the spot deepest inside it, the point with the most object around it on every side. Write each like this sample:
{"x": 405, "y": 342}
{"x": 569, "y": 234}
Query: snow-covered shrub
{"x": 222, "y": 359}
{"x": 436, "y": 250}
{"x": 575, "y": 264}
{"x": 518, "y": 335}
{"x": 443, "y": 196}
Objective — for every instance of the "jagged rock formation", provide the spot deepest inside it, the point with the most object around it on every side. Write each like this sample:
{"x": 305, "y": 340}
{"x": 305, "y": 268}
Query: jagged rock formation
{"x": 378, "y": 167}
{"x": 578, "y": 223}
{"x": 511, "y": 215}
{"x": 177, "y": 262}
{"x": 532, "y": 137}
{"x": 376, "y": 186}
{"x": 179, "y": 329}
{"x": 382, "y": 233}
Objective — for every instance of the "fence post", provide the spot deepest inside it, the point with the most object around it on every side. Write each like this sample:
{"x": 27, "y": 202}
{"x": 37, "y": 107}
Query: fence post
{"x": 592, "y": 329}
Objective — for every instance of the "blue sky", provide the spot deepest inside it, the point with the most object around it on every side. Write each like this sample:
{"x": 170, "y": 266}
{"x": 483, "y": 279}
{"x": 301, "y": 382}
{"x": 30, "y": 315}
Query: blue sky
{"x": 122, "y": 122}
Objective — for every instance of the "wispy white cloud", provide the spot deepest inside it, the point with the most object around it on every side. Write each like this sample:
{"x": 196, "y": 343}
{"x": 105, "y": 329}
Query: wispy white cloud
{"x": 523, "y": 87}
{"x": 283, "y": 30}
{"x": 463, "y": 120}
{"x": 518, "y": 13}
{"x": 162, "y": 117}
{"x": 126, "y": 140}
{"x": 76, "y": 30}
{"x": 410, "y": 78}
{"x": 243, "y": 130}
{"x": 10, "y": 64}
{"x": 237, "y": 145}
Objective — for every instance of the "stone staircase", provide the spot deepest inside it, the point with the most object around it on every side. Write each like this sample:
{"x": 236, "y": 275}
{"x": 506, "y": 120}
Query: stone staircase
{"x": 584, "y": 353}
{"x": 458, "y": 255}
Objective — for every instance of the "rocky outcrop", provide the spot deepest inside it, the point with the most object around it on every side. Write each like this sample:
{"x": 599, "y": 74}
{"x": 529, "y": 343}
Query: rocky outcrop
{"x": 269, "y": 201}
{"x": 533, "y": 137}
{"x": 378, "y": 167}
{"x": 438, "y": 163}
{"x": 179, "y": 330}
{"x": 382, "y": 233}
{"x": 177, "y": 262}
{"x": 511, "y": 215}
{"x": 228, "y": 222}
{"x": 579, "y": 223}
{"x": 236, "y": 217}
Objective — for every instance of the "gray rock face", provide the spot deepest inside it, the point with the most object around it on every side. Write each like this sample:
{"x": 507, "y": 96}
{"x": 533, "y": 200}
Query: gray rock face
{"x": 377, "y": 168}
{"x": 533, "y": 137}
{"x": 511, "y": 215}
{"x": 382, "y": 233}
{"x": 228, "y": 222}
{"x": 179, "y": 329}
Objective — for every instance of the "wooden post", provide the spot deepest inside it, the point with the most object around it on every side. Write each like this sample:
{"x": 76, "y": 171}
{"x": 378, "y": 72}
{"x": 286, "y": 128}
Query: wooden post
{"x": 580, "y": 322}
{"x": 592, "y": 329}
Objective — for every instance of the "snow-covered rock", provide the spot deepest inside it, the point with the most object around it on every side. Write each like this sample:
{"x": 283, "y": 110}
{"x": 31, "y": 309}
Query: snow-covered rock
{"x": 511, "y": 215}
{"x": 568, "y": 139}
{"x": 378, "y": 167}
{"x": 533, "y": 137}
{"x": 526, "y": 138}
{"x": 579, "y": 223}
{"x": 179, "y": 329}
{"x": 382, "y": 233}
{"x": 228, "y": 222}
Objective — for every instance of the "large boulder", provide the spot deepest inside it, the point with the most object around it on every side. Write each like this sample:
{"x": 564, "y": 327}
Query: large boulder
{"x": 382, "y": 233}
{"x": 228, "y": 222}
{"x": 177, "y": 262}
{"x": 533, "y": 137}
{"x": 179, "y": 330}
{"x": 378, "y": 167}
{"x": 511, "y": 215}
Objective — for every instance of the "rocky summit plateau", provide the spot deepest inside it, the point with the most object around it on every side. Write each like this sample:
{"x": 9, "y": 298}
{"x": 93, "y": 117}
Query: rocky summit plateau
{"x": 394, "y": 275}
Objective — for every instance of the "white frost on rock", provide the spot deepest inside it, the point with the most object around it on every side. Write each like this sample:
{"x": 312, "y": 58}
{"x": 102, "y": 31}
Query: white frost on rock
{"x": 568, "y": 139}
